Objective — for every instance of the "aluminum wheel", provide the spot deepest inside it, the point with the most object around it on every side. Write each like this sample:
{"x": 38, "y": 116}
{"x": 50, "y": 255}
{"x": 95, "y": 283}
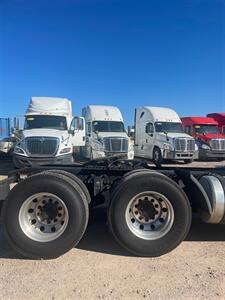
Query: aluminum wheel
{"x": 43, "y": 217}
{"x": 149, "y": 215}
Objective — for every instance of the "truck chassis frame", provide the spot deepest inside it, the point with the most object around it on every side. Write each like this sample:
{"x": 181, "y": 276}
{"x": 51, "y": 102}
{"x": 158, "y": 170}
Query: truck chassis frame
{"x": 150, "y": 222}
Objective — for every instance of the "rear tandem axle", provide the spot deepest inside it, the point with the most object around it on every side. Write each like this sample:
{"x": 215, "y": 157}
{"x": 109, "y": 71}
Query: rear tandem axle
{"x": 45, "y": 210}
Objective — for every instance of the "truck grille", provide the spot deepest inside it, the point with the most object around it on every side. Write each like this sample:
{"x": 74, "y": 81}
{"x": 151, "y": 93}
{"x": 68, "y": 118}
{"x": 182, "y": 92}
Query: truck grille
{"x": 217, "y": 144}
{"x": 116, "y": 144}
{"x": 183, "y": 144}
{"x": 42, "y": 146}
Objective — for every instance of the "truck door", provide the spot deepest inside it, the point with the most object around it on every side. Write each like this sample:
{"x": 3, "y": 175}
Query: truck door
{"x": 77, "y": 131}
{"x": 149, "y": 140}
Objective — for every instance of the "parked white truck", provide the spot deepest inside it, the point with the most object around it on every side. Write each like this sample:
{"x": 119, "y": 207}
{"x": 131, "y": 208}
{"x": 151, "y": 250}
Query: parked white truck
{"x": 50, "y": 133}
{"x": 105, "y": 133}
{"x": 159, "y": 136}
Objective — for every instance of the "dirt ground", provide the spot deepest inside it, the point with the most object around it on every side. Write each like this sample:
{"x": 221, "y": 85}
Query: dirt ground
{"x": 99, "y": 269}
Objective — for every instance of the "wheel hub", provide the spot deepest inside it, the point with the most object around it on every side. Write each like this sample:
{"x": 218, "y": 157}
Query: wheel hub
{"x": 146, "y": 210}
{"x": 43, "y": 217}
{"x": 48, "y": 212}
{"x": 149, "y": 215}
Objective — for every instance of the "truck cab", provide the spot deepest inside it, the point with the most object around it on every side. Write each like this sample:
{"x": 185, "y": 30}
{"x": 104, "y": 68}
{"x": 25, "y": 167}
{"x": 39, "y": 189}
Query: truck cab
{"x": 105, "y": 133}
{"x": 206, "y": 132}
{"x": 50, "y": 133}
{"x": 159, "y": 135}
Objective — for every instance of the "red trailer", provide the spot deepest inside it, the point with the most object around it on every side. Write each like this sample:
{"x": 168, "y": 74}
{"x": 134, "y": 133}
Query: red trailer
{"x": 206, "y": 132}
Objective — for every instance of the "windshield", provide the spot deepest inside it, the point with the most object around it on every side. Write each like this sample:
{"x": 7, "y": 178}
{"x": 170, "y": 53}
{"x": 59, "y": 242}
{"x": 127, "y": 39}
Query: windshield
{"x": 45, "y": 122}
{"x": 206, "y": 129}
{"x": 168, "y": 127}
{"x": 108, "y": 126}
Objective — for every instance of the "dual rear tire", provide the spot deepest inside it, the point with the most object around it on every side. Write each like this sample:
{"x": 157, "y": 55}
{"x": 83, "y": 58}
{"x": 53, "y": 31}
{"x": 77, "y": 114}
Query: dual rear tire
{"x": 46, "y": 215}
{"x": 149, "y": 214}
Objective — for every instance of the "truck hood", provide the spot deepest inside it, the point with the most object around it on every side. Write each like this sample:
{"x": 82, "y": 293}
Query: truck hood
{"x": 178, "y": 135}
{"x": 112, "y": 134}
{"x": 207, "y": 137}
{"x": 44, "y": 132}
{"x": 172, "y": 135}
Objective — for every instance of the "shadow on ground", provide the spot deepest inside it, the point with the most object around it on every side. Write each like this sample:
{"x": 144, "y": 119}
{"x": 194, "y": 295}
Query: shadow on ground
{"x": 98, "y": 238}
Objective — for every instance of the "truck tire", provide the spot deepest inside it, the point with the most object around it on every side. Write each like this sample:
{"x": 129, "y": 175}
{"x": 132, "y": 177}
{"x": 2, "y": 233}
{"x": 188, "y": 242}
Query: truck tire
{"x": 45, "y": 216}
{"x": 157, "y": 157}
{"x": 72, "y": 177}
{"x": 149, "y": 214}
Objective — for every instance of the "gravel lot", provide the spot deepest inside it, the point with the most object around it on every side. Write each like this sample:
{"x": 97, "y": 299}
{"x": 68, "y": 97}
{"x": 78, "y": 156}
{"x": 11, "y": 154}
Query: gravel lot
{"x": 100, "y": 269}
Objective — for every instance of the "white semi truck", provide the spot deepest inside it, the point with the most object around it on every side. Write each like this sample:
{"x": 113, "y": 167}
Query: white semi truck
{"x": 50, "y": 133}
{"x": 105, "y": 133}
{"x": 159, "y": 136}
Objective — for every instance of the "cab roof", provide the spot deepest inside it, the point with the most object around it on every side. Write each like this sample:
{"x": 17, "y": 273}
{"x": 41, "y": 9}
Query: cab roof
{"x": 219, "y": 117}
{"x": 160, "y": 114}
{"x": 198, "y": 120}
{"x": 102, "y": 113}
{"x": 49, "y": 106}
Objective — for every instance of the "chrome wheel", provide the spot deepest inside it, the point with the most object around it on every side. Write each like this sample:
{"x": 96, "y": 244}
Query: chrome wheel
{"x": 149, "y": 215}
{"x": 43, "y": 217}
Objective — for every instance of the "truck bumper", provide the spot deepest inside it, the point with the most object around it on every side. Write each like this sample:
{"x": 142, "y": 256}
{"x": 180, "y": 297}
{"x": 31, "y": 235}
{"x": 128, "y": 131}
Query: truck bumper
{"x": 208, "y": 154}
{"x": 22, "y": 161}
{"x": 179, "y": 155}
{"x": 111, "y": 154}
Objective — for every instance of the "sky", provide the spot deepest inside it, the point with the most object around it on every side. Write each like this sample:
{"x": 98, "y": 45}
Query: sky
{"x": 114, "y": 52}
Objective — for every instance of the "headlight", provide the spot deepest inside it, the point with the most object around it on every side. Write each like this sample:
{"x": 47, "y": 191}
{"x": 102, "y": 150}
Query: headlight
{"x": 168, "y": 147}
{"x": 65, "y": 150}
{"x": 206, "y": 147}
{"x": 18, "y": 150}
